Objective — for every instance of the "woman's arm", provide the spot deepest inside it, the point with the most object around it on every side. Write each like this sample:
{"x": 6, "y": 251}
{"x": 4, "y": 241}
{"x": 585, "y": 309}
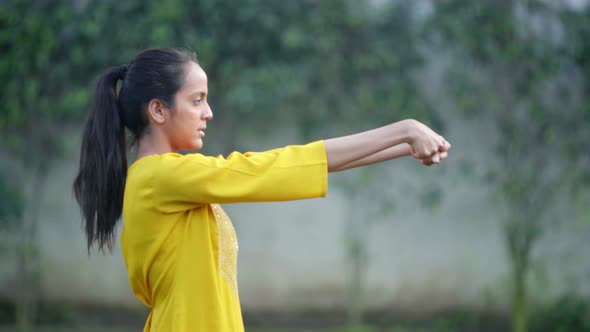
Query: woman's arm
{"x": 393, "y": 152}
{"x": 424, "y": 144}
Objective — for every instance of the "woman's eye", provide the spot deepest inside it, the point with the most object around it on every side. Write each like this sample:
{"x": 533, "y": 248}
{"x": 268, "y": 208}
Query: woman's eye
{"x": 197, "y": 102}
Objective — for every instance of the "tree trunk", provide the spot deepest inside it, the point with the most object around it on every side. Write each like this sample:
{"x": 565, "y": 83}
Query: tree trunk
{"x": 520, "y": 238}
{"x": 356, "y": 306}
{"x": 519, "y": 299}
{"x": 357, "y": 247}
{"x": 28, "y": 256}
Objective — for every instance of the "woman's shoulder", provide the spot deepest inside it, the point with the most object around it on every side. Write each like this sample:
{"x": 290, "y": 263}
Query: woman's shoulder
{"x": 172, "y": 164}
{"x": 164, "y": 158}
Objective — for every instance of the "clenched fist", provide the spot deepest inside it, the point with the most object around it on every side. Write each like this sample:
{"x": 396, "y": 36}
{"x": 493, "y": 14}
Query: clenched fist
{"x": 427, "y": 146}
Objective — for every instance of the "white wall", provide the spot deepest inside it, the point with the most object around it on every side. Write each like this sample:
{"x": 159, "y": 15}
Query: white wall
{"x": 293, "y": 257}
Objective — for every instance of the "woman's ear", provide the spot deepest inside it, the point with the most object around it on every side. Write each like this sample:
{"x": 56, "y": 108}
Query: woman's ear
{"x": 156, "y": 111}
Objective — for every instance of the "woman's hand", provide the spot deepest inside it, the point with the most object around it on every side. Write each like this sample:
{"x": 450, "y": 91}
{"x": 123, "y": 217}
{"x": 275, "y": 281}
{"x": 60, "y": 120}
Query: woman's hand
{"x": 426, "y": 145}
{"x": 429, "y": 162}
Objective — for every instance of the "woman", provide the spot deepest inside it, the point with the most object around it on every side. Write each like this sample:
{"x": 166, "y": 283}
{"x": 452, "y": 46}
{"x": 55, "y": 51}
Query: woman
{"x": 179, "y": 246}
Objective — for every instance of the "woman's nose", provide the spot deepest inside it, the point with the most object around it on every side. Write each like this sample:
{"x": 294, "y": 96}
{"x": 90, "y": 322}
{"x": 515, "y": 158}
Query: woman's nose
{"x": 208, "y": 114}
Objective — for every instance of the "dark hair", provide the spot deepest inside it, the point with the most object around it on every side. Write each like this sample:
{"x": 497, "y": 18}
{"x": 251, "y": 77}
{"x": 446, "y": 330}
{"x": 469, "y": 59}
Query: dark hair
{"x": 100, "y": 183}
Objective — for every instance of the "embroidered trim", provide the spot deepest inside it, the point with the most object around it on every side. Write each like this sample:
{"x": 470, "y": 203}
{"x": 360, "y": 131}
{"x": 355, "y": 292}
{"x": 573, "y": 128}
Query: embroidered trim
{"x": 228, "y": 248}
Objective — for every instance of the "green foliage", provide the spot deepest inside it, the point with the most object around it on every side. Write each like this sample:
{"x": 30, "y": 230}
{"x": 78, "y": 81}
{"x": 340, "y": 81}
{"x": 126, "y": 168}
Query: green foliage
{"x": 326, "y": 62}
{"x": 41, "y": 73}
{"x": 11, "y": 203}
{"x": 508, "y": 66}
{"x": 569, "y": 313}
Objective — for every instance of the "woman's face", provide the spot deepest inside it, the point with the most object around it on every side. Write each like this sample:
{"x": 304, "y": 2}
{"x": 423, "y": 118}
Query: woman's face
{"x": 188, "y": 118}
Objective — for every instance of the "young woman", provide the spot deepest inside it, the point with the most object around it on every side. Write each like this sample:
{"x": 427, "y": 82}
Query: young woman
{"x": 179, "y": 246}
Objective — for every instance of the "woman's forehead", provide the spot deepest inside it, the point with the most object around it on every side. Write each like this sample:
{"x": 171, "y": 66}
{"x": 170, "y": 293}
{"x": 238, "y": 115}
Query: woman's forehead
{"x": 196, "y": 79}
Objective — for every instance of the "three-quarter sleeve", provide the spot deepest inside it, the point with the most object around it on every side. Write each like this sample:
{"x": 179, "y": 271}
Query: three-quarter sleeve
{"x": 290, "y": 173}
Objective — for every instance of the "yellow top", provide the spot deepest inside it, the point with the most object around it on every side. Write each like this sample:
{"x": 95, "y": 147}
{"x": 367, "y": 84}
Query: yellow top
{"x": 179, "y": 246}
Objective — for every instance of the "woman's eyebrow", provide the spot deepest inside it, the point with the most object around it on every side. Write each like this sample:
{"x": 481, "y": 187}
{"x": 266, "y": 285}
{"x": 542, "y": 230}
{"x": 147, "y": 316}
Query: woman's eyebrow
{"x": 198, "y": 93}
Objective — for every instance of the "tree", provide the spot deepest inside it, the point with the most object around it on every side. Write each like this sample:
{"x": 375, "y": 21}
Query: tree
{"x": 42, "y": 92}
{"x": 526, "y": 86}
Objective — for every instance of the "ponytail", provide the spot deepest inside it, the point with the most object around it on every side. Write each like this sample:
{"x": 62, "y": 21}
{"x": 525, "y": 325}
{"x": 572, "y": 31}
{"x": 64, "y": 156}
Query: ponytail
{"x": 100, "y": 183}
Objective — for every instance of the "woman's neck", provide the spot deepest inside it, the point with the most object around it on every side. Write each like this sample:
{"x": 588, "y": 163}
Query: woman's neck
{"x": 153, "y": 143}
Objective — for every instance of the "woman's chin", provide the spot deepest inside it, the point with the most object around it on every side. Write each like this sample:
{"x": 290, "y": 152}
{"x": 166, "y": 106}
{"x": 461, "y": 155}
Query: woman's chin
{"x": 197, "y": 145}
{"x": 194, "y": 145}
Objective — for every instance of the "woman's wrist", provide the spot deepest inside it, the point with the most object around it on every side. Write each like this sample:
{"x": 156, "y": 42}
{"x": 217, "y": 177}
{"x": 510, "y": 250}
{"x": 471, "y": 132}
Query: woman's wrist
{"x": 408, "y": 130}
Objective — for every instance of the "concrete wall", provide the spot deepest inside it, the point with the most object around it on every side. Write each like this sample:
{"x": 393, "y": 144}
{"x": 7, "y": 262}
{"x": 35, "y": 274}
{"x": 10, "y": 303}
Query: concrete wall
{"x": 293, "y": 255}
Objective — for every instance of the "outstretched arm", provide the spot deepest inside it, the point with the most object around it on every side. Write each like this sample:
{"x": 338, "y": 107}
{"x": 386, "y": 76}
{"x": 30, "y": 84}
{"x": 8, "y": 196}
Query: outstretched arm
{"x": 393, "y": 152}
{"x": 386, "y": 143}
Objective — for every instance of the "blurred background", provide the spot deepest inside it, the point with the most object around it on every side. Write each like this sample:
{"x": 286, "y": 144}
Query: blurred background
{"x": 497, "y": 238}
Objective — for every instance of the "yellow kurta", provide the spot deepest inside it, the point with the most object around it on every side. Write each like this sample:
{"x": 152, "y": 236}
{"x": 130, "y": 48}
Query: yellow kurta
{"x": 180, "y": 247}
